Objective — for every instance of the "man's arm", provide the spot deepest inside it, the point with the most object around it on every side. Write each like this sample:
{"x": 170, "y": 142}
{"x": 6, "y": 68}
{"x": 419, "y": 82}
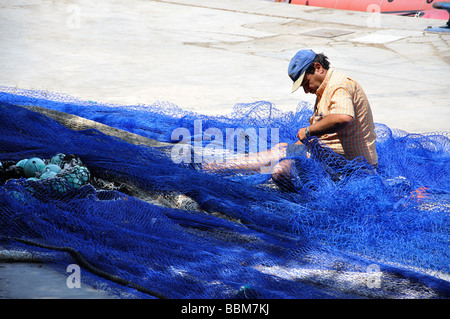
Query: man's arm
{"x": 331, "y": 123}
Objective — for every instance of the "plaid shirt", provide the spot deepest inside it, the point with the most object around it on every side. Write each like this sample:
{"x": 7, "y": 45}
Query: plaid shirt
{"x": 339, "y": 94}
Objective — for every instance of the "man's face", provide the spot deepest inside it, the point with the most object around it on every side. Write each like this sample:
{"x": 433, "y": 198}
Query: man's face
{"x": 311, "y": 82}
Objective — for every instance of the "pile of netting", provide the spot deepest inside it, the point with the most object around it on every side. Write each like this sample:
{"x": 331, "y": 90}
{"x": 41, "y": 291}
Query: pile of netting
{"x": 144, "y": 224}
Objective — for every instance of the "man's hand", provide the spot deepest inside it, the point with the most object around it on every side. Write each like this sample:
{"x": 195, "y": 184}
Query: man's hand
{"x": 301, "y": 134}
{"x": 331, "y": 123}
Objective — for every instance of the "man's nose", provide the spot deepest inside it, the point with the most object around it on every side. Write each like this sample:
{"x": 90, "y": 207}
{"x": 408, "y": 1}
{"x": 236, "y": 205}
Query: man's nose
{"x": 306, "y": 89}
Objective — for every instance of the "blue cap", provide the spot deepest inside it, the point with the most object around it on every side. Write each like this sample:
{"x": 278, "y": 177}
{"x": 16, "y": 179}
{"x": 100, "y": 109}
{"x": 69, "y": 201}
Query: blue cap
{"x": 298, "y": 65}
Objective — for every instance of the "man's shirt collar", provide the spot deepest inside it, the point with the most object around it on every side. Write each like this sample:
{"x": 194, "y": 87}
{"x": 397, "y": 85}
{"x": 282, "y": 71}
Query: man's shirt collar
{"x": 324, "y": 83}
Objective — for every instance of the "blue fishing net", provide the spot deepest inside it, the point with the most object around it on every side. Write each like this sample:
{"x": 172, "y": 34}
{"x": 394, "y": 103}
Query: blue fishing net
{"x": 142, "y": 224}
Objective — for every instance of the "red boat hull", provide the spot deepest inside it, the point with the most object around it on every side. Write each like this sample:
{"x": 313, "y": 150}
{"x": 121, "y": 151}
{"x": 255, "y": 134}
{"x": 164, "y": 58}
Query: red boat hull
{"x": 424, "y": 8}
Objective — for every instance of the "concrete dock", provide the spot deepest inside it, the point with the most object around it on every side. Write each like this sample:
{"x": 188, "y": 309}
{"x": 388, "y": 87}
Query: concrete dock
{"x": 208, "y": 55}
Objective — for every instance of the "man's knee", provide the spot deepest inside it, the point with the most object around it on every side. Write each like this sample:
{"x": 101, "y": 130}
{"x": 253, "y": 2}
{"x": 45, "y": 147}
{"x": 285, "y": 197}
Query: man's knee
{"x": 282, "y": 170}
{"x": 282, "y": 174}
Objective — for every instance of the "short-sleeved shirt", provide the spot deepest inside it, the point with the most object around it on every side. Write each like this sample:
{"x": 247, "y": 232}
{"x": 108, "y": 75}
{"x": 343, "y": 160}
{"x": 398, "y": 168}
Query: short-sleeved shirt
{"x": 339, "y": 94}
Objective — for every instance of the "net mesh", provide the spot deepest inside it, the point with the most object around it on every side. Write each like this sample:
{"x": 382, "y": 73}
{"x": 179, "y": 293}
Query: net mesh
{"x": 149, "y": 215}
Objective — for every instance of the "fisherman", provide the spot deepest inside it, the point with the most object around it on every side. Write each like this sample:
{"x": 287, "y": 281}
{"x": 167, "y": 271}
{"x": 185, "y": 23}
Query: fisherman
{"x": 342, "y": 121}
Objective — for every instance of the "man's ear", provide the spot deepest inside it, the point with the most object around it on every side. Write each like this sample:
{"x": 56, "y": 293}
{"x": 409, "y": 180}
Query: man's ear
{"x": 318, "y": 67}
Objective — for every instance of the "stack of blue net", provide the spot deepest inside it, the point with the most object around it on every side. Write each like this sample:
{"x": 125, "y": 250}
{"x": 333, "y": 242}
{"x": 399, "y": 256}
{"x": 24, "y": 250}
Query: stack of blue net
{"x": 146, "y": 226}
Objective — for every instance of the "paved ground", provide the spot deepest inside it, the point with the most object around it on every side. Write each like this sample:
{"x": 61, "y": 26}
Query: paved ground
{"x": 24, "y": 280}
{"x": 207, "y": 56}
